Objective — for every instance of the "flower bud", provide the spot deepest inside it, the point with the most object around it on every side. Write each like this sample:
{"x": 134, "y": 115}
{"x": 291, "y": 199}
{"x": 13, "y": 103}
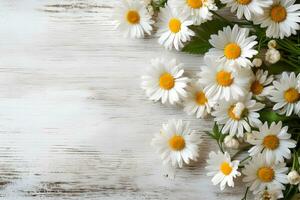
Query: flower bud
{"x": 272, "y": 44}
{"x": 257, "y": 62}
{"x": 231, "y": 142}
{"x": 150, "y": 10}
{"x": 249, "y": 137}
{"x": 293, "y": 177}
{"x": 272, "y": 56}
{"x": 238, "y": 109}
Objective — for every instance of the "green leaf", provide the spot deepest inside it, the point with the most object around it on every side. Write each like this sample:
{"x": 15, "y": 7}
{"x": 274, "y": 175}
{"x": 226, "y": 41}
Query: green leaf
{"x": 216, "y": 129}
{"x": 197, "y": 47}
{"x": 279, "y": 67}
{"x": 200, "y": 44}
{"x": 158, "y": 4}
{"x": 205, "y": 30}
{"x": 219, "y": 4}
{"x": 222, "y": 137}
{"x": 211, "y": 135}
{"x": 296, "y": 196}
{"x": 271, "y": 116}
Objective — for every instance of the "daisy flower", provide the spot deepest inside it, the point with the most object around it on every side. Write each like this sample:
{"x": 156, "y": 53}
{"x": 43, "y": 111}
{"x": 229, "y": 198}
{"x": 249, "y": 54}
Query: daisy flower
{"x": 286, "y": 94}
{"x": 197, "y": 102}
{"x": 233, "y": 46}
{"x": 173, "y": 28}
{"x": 281, "y": 19}
{"x": 177, "y": 143}
{"x": 236, "y": 115}
{"x": 133, "y": 19}
{"x": 260, "y": 87}
{"x": 165, "y": 81}
{"x": 223, "y": 81}
{"x": 260, "y": 175}
{"x": 247, "y": 8}
{"x": 199, "y": 10}
{"x": 274, "y": 194}
{"x": 222, "y": 169}
{"x": 274, "y": 142}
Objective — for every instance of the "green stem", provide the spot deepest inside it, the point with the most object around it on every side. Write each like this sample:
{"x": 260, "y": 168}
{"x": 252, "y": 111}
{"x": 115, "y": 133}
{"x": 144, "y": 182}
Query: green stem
{"x": 246, "y": 193}
{"x": 290, "y": 63}
{"x": 241, "y": 151}
{"x": 222, "y": 18}
{"x": 245, "y": 159}
{"x": 220, "y": 146}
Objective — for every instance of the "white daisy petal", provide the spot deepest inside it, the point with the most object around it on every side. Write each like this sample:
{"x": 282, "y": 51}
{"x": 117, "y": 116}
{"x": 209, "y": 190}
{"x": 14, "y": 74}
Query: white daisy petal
{"x": 175, "y": 140}
{"x": 133, "y": 19}
{"x": 222, "y": 169}
{"x": 173, "y": 28}
{"x": 274, "y": 141}
{"x": 165, "y": 81}
{"x": 280, "y": 18}
{"x": 233, "y": 46}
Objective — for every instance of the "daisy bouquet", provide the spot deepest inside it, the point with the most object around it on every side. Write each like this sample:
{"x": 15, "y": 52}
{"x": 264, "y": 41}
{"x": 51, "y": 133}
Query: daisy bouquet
{"x": 249, "y": 84}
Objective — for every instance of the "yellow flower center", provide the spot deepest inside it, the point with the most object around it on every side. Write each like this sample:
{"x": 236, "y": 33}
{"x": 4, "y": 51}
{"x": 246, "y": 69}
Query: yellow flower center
{"x": 265, "y": 174}
{"x": 174, "y": 25}
{"x": 256, "y": 88}
{"x": 133, "y": 17}
{"x": 232, "y": 51}
{"x": 244, "y": 2}
{"x": 177, "y": 142}
{"x": 291, "y": 95}
{"x": 271, "y": 142}
{"x": 278, "y": 13}
{"x": 232, "y": 115}
{"x": 201, "y": 98}
{"x": 195, "y": 3}
{"x": 166, "y": 81}
{"x": 225, "y": 168}
{"x": 224, "y": 78}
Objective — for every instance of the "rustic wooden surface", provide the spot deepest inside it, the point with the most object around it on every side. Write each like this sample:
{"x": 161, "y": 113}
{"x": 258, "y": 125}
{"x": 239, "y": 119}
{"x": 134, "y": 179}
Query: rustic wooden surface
{"x": 74, "y": 123}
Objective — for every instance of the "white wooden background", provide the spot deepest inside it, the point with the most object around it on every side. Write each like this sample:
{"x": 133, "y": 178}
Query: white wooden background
{"x": 74, "y": 123}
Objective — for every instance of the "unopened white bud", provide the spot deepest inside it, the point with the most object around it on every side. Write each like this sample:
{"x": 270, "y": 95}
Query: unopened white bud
{"x": 238, "y": 109}
{"x": 257, "y": 62}
{"x": 231, "y": 142}
{"x": 249, "y": 137}
{"x": 293, "y": 177}
{"x": 150, "y": 10}
{"x": 272, "y": 56}
{"x": 272, "y": 44}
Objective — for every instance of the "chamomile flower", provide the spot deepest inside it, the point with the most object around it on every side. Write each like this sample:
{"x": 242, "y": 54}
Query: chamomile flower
{"x": 233, "y": 46}
{"x": 274, "y": 194}
{"x": 274, "y": 142}
{"x": 173, "y": 28}
{"x": 224, "y": 81}
{"x": 236, "y": 115}
{"x": 165, "y": 81}
{"x": 247, "y": 8}
{"x": 133, "y": 19}
{"x": 222, "y": 169}
{"x": 261, "y": 175}
{"x": 280, "y": 18}
{"x": 197, "y": 102}
{"x": 199, "y": 10}
{"x": 286, "y": 94}
{"x": 261, "y": 85}
{"x": 177, "y": 143}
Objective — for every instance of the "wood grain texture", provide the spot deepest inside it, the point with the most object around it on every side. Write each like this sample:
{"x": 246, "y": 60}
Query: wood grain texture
{"x": 74, "y": 123}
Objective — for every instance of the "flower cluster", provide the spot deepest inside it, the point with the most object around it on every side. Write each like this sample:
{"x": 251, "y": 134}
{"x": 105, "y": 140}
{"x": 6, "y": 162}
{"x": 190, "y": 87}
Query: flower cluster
{"x": 249, "y": 83}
